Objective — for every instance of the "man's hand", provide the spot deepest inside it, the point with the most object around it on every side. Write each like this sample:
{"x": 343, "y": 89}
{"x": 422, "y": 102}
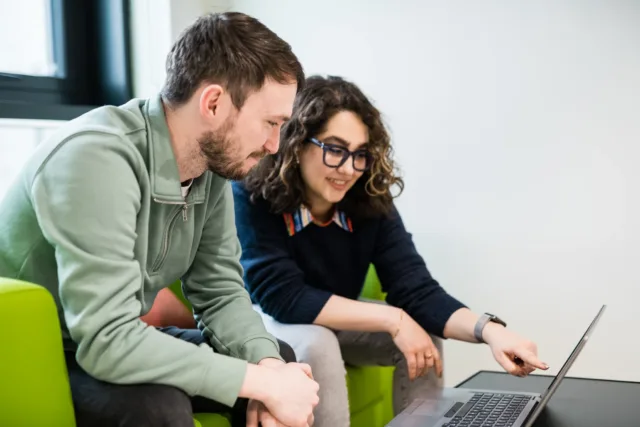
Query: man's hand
{"x": 270, "y": 362}
{"x": 257, "y": 415}
{"x": 515, "y": 354}
{"x": 292, "y": 394}
{"x": 275, "y": 363}
{"x": 287, "y": 391}
{"x": 416, "y": 345}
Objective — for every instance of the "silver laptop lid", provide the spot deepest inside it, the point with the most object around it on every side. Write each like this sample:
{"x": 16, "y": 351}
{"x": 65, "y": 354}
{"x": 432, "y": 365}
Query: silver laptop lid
{"x": 544, "y": 398}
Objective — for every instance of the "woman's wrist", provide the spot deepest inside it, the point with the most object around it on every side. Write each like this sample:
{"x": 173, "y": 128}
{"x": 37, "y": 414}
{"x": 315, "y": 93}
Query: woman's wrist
{"x": 393, "y": 320}
{"x": 491, "y": 332}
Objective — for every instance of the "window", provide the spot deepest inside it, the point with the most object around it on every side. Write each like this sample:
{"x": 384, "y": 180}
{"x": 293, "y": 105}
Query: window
{"x": 30, "y": 22}
{"x": 61, "y": 58}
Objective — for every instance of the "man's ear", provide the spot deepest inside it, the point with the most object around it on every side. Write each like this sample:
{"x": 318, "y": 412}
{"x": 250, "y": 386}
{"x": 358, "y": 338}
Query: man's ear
{"x": 211, "y": 101}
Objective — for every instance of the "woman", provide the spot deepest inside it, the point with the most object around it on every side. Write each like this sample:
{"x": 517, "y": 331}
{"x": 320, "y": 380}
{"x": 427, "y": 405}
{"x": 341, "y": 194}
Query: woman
{"x": 311, "y": 220}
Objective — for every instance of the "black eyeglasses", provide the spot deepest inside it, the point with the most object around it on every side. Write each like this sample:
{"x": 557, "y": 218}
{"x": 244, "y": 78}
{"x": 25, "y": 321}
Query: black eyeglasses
{"x": 335, "y": 156}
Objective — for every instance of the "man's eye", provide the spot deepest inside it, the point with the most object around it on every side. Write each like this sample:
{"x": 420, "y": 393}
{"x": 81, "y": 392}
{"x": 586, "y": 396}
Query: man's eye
{"x": 273, "y": 123}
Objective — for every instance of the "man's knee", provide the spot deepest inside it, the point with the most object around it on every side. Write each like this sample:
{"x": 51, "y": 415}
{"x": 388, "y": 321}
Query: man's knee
{"x": 286, "y": 352}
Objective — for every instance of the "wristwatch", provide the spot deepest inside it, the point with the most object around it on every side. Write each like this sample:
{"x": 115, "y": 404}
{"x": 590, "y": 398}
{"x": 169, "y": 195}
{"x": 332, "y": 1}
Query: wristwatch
{"x": 482, "y": 322}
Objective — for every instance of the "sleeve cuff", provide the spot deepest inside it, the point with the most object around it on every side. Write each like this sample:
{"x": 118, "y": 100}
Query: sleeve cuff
{"x": 223, "y": 379}
{"x": 256, "y": 349}
{"x": 306, "y": 307}
{"x": 434, "y": 321}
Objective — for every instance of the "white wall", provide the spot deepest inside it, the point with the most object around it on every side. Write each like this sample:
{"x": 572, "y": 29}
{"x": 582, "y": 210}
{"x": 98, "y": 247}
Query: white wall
{"x": 155, "y": 25}
{"x": 517, "y": 126}
{"x": 18, "y": 139}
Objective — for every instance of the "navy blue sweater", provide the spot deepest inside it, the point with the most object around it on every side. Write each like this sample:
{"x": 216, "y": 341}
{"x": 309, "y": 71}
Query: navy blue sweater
{"x": 292, "y": 268}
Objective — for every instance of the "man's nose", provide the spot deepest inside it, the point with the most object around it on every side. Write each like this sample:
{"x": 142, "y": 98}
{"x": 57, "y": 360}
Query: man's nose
{"x": 273, "y": 142}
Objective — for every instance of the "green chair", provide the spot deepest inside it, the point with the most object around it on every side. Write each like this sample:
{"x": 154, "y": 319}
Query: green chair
{"x": 370, "y": 387}
{"x": 34, "y": 386}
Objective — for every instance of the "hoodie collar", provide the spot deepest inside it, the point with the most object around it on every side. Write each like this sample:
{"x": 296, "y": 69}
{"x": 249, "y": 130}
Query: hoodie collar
{"x": 163, "y": 168}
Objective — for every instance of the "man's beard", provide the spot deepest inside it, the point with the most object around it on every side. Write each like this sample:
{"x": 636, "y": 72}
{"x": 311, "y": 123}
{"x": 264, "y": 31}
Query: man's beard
{"x": 221, "y": 152}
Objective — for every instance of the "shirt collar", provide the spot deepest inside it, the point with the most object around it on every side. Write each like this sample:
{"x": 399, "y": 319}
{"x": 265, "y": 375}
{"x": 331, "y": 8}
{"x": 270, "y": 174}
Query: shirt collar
{"x": 302, "y": 217}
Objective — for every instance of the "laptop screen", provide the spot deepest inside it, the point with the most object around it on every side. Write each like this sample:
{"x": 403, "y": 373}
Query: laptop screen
{"x": 544, "y": 398}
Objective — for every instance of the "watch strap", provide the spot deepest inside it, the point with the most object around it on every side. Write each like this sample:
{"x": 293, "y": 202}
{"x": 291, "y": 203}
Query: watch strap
{"x": 480, "y": 324}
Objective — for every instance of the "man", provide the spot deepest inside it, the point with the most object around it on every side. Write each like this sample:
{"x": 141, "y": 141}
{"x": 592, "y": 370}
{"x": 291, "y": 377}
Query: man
{"x": 125, "y": 200}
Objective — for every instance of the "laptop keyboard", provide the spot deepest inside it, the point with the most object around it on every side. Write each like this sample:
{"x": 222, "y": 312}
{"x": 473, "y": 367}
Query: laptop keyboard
{"x": 489, "y": 410}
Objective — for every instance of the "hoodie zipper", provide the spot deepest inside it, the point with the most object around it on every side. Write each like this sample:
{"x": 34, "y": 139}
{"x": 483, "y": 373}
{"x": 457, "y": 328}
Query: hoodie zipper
{"x": 166, "y": 238}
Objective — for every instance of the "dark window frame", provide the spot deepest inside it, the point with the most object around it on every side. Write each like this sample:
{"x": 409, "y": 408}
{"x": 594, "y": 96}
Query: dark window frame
{"x": 91, "y": 46}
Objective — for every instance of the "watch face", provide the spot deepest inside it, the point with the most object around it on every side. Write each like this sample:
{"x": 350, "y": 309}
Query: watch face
{"x": 496, "y": 319}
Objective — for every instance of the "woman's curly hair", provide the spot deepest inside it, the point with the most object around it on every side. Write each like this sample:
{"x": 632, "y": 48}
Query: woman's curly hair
{"x": 277, "y": 178}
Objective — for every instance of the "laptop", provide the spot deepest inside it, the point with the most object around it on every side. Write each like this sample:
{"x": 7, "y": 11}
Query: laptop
{"x": 460, "y": 407}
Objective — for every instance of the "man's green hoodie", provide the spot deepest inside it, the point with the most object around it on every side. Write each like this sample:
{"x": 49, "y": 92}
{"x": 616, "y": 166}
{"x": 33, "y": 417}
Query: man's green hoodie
{"x": 98, "y": 218}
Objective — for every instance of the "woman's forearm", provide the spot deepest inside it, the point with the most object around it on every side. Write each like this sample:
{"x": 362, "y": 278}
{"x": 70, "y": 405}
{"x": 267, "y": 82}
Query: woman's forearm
{"x": 461, "y": 324}
{"x": 349, "y": 315}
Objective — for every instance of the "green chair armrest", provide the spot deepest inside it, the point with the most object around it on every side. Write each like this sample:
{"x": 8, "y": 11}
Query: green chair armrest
{"x": 34, "y": 385}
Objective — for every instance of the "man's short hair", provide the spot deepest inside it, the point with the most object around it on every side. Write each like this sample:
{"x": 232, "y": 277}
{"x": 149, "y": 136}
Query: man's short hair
{"x": 233, "y": 50}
